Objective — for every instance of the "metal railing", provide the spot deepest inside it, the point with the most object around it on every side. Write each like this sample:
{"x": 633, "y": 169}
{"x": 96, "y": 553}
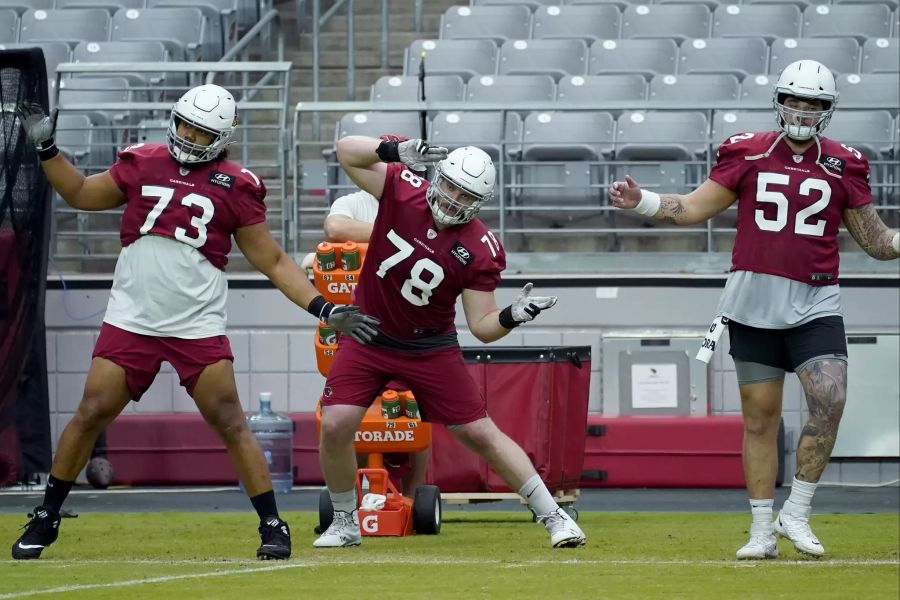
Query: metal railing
{"x": 89, "y": 242}
{"x": 526, "y": 215}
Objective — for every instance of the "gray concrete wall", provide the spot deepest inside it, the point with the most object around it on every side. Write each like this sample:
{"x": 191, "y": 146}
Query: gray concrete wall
{"x": 272, "y": 343}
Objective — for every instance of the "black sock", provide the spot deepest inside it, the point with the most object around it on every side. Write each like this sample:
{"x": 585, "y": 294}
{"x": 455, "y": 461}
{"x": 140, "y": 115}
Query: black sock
{"x": 56, "y": 493}
{"x": 265, "y": 505}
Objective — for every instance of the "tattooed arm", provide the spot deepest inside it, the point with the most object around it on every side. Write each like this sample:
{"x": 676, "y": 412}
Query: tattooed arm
{"x": 870, "y": 232}
{"x": 698, "y": 206}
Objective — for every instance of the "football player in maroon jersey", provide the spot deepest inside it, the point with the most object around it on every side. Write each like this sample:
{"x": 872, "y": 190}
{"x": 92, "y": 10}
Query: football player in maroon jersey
{"x": 426, "y": 249}
{"x": 782, "y": 300}
{"x": 183, "y": 200}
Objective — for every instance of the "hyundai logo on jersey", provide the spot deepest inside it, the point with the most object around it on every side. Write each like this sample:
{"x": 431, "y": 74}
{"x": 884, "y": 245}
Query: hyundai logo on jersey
{"x": 223, "y": 179}
{"x": 461, "y": 253}
{"x": 834, "y": 163}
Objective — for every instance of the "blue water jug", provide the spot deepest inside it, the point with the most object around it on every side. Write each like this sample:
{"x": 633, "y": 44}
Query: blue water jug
{"x": 275, "y": 434}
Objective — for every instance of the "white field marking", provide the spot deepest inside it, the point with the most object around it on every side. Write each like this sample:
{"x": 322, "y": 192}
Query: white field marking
{"x": 326, "y": 561}
{"x": 410, "y": 561}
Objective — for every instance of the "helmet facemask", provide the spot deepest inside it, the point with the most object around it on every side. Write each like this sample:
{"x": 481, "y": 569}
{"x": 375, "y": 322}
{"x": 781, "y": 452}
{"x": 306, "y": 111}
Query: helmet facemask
{"x": 802, "y": 125}
{"x": 188, "y": 152}
{"x": 468, "y": 172}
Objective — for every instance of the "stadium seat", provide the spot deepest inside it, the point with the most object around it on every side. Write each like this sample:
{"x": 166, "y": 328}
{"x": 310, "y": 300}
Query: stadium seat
{"x": 727, "y": 123}
{"x": 533, "y": 5}
{"x": 504, "y": 89}
{"x": 567, "y": 135}
{"x": 676, "y": 21}
{"x": 738, "y": 56}
{"x": 861, "y": 21}
{"x": 111, "y": 125}
{"x": 71, "y": 25}
{"x": 869, "y": 131}
{"x": 768, "y": 21}
{"x": 394, "y": 88}
{"x": 152, "y": 130}
{"x": 862, "y": 90}
{"x": 111, "y": 6}
{"x": 221, "y": 22}
{"x": 891, "y": 3}
{"x": 452, "y": 57}
{"x": 647, "y": 57}
{"x": 669, "y": 135}
{"x": 557, "y": 58}
{"x": 587, "y": 22}
{"x": 497, "y": 23}
{"x": 74, "y": 137}
{"x": 593, "y": 90}
{"x": 9, "y": 26}
{"x": 374, "y": 124}
{"x": 697, "y": 89}
{"x": 484, "y": 129}
{"x": 182, "y": 30}
{"x": 20, "y": 6}
{"x": 146, "y": 51}
{"x": 841, "y": 55}
{"x": 801, "y": 4}
{"x": 757, "y": 91}
{"x": 881, "y": 55}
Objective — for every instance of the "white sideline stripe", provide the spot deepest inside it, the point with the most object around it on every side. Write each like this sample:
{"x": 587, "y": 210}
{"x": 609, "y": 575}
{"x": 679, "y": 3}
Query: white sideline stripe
{"x": 410, "y": 561}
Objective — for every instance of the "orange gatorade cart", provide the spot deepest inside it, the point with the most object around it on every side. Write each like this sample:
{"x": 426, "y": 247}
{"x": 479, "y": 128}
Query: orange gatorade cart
{"x": 392, "y": 423}
{"x": 387, "y": 427}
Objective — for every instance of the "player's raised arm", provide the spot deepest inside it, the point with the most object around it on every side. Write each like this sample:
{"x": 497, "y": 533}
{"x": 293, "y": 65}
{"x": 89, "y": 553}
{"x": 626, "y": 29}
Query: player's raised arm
{"x": 363, "y": 158}
{"x": 870, "y": 232}
{"x": 97, "y": 192}
{"x": 700, "y": 205}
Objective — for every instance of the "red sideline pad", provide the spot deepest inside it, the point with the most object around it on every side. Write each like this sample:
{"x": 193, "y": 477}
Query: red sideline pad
{"x": 664, "y": 452}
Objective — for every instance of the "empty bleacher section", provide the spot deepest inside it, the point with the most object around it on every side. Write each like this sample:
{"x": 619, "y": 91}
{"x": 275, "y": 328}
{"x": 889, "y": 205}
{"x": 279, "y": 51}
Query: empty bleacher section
{"x": 115, "y": 68}
{"x": 570, "y": 94}
{"x": 566, "y": 94}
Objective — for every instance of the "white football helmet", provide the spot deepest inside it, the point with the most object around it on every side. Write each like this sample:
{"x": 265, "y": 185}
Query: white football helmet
{"x": 805, "y": 79}
{"x": 472, "y": 171}
{"x": 207, "y": 107}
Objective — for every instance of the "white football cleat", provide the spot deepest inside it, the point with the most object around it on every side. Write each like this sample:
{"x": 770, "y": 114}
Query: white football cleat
{"x": 564, "y": 532}
{"x": 343, "y": 531}
{"x": 763, "y": 544}
{"x": 795, "y": 527}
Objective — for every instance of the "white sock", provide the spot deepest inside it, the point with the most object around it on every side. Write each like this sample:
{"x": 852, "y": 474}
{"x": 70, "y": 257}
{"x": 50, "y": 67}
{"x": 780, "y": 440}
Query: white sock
{"x": 801, "y": 496}
{"x": 538, "y": 496}
{"x": 344, "y": 501}
{"x": 761, "y": 509}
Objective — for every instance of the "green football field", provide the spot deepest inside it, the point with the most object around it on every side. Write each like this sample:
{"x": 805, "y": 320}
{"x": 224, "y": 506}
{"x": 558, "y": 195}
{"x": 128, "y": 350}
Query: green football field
{"x": 477, "y": 555}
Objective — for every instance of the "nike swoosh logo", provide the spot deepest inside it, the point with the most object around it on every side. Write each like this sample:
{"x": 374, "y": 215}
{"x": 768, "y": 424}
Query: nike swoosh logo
{"x": 29, "y": 546}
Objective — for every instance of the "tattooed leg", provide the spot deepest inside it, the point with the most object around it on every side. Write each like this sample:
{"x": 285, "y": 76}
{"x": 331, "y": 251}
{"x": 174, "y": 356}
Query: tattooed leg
{"x": 825, "y": 383}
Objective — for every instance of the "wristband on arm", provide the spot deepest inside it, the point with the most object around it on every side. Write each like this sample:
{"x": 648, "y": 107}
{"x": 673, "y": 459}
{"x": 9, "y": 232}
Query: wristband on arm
{"x": 320, "y": 308}
{"x": 506, "y": 319}
{"x": 649, "y": 204}
{"x": 47, "y": 150}
{"x": 388, "y": 152}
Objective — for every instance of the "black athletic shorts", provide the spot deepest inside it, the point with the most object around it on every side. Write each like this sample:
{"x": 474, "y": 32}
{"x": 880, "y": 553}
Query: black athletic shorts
{"x": 787, "y": 349}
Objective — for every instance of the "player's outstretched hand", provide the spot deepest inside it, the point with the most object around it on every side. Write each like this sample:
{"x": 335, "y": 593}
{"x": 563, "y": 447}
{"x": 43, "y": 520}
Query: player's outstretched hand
{"x": 625, "y": 194}
{"x": 417, "y": 154}
{"x": 350, "y": 320}
{"x": 526, "y": 307}
{"x": 38, "y": 126}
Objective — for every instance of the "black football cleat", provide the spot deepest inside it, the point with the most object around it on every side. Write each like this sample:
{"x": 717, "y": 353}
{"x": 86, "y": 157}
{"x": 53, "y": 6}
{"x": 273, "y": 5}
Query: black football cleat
{"x": 276, "y": 539}
{"x": 41, "y": 531}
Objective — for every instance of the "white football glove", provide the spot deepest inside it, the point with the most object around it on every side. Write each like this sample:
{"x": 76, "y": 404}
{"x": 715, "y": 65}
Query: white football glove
{"x": 525, "y": 308}
{"x": 417, "y": 154}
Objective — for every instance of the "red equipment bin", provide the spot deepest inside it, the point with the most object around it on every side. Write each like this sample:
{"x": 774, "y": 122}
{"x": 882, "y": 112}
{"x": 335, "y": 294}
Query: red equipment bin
{"x": 536, "y": 395}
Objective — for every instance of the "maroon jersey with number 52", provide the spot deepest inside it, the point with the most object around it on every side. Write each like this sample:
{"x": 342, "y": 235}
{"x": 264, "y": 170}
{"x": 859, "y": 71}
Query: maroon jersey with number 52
{"x": 414, "y": 271}
{"x": 201, "y": 206}
{"x": 789, "y": 206}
